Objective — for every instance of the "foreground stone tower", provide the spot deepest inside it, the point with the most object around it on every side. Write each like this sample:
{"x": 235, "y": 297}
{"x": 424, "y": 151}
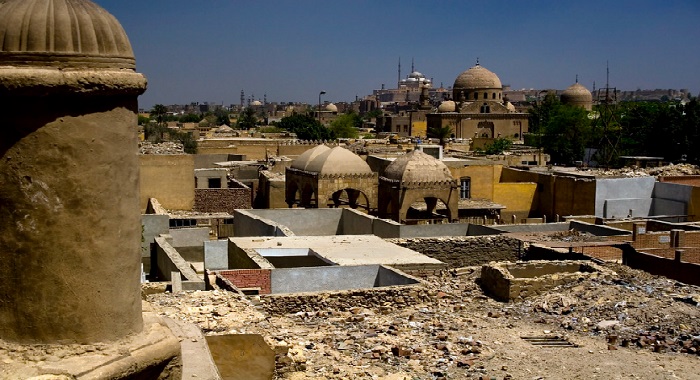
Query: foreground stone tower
{"x": 69, "y": 213}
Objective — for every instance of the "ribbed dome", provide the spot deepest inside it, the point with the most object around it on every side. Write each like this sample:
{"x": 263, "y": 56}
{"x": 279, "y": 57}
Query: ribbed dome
{"x": 447, "y": 106}
{"x": 62, "y": 33}
{"x": 338, "y": 161}
{"x": 305, "y": 158}
{"x": 576, "y": 93}
{"x": 418, "y": 167}
{"x": 477, "y": 78}
{"x": 331, "y": 107}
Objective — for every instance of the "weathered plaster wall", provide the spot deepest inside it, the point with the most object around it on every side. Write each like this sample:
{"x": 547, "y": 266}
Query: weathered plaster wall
{"x": 168, "y": 178}
{"x": 222, "y": 200}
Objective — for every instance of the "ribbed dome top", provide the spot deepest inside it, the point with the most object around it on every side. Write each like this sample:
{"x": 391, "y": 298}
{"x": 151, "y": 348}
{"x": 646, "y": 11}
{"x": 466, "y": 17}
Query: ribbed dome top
{"x": 477, "y": 77}
{"x": 576, "y": 93}
{"x": 338, "y": 161}
{"x": 418, "y": 167}
{"x": 305, "y": 158}
{"x": 331, "y": 107}
{"x": 447, "y": 106}
{"x": 62, "y": 33}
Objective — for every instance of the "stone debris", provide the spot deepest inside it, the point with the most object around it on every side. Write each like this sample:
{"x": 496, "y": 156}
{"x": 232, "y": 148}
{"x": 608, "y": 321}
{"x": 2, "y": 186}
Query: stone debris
{"x": 660, "y": 171}
{"x": 167, "y": 147}
{"x": 442, "y": 335}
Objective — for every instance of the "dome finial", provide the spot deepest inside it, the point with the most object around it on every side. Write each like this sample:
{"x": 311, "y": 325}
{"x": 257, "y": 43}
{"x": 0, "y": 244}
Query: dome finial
{"x": 576, "y": 78}
{"x": 477, "y": 61}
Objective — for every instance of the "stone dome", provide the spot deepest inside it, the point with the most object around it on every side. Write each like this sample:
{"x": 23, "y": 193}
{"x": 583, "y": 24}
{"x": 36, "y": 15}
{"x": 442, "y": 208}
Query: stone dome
{"x": 447, "y": 106}
{"x": 338, "y": 161}
{"x": 577, "y": 95}
{"x": 256, "y": 103}
{"x": 510, "y": 107}
{"x": 418, "y": 167}
{"x": 63, "y": 33}
{"x": 331, "y": 107}
{"x": 477, "y": 78}
{"x": 305, "y": 158}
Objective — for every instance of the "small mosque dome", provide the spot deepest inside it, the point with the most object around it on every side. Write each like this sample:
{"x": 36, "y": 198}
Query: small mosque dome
{"x": 256, "y": 103}
{"x": 578, "y": 95}
{"x": 338, "y": 161}
{"x": 331, "y": 107}
{"x": 418, "y": 167}
{"x": 63, "y": 33}
{"x": 447, "y": 106}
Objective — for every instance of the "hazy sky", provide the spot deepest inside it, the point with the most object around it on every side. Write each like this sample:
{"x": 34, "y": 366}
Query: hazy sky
{"x": 210, "y": 50}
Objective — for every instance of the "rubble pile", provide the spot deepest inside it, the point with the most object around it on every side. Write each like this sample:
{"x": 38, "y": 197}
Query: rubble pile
{"x": 453, "y": 330}
{"x": 660, "y": 171}
{"x": 166, "y": 147}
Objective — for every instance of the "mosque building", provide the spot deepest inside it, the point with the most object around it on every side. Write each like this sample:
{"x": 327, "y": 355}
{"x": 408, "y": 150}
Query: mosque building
{"x": 479, "y": 109}
{"x": 577, "y": 95}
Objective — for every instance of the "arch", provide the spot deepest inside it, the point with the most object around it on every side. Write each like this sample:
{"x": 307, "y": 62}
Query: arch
{"x": 352, "y": 196}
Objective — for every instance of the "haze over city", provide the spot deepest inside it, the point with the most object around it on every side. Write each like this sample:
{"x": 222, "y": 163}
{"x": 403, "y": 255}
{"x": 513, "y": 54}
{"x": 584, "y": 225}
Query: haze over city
{"x": 289, "y": 51}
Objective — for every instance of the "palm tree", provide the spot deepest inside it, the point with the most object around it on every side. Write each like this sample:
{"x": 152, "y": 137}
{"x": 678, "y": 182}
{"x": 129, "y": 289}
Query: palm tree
{"x": 441, "y": 133}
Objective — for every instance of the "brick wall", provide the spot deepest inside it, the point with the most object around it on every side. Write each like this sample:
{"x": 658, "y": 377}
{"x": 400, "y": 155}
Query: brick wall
{"x": 249, "y": 278}
{"x": 688, "y": 273}
{"x": 692, "y": 180}
{"x": 222, "y": 200}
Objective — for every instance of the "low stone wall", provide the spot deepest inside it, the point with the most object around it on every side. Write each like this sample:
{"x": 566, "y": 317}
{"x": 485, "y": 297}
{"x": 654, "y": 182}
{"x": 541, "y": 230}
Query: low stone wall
{"x": 463, "y": 251}
{"x": 512, "y": 281}
{"x": 396, "y": 296}
{"x": 222, "y": 200}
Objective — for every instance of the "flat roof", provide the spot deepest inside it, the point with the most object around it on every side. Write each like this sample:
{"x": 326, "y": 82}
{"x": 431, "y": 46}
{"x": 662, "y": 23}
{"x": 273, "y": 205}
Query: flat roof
{"x": 343, "y": 250}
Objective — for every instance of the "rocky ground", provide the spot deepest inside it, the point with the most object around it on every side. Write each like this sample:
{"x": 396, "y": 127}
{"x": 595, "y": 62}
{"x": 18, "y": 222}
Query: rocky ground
{"x": 625, "y": 324}
{"x": 167, "y": 147}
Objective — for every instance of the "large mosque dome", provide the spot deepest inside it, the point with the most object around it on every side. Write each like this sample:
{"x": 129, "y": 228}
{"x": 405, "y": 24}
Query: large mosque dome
{"x": 477, "y": 83}
{"x": 331, "y": 162}
{"x": 63, "y": 33}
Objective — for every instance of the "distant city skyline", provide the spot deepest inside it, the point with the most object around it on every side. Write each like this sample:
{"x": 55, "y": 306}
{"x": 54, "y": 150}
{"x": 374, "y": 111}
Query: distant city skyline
{"x": 290, "y": 51}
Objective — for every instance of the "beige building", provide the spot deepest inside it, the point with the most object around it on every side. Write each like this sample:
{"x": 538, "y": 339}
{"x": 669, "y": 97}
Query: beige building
{"x": 479, "y": 109}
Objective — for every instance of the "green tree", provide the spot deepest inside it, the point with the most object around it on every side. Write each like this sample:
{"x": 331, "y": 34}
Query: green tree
{"x": 440, "y": 133}
{"x": 373, "y": 114}
{"x": 143, "y": 120}
{"x": 306, "y": 127}
{"x": 567, "y": 134}
{"x": 190, "y": 118}
{"x": 498, "y": 146}
{"x": 247, "y": 119}
{"x": 346, "y": 126}
{"x": 159, "y": 112}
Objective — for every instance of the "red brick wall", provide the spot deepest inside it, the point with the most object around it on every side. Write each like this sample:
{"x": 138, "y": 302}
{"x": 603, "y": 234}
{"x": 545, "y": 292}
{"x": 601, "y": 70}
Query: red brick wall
{"x": 692, "y": 180}
{"x": 249, "y": 278}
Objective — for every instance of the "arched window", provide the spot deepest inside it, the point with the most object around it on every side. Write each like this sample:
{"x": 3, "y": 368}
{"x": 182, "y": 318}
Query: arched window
{"x": 465, "y": 188}
{"x": 493, "y": 96}
{"x": 485, "y": 108}
{"x": 486, "y": 95}
{"x": 476, "y": 95}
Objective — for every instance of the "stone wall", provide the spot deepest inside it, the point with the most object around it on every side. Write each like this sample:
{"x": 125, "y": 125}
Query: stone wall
{"x": 222, "y": 200}
{"x": 465, "y": 251}
{"x": 390, "y": 298}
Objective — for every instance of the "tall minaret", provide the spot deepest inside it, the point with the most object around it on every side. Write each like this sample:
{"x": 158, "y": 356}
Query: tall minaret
{"x": 242, "y": 99}
{"x": 398, "y": 83}
{"x": 413, "y": 67}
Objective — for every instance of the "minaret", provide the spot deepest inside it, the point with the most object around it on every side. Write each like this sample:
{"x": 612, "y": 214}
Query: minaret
{"x": 242, "y": 99}
{"x": 398, "y": 83}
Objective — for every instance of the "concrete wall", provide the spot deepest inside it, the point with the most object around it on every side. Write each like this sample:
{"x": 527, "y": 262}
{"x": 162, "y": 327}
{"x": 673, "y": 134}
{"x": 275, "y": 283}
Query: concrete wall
{"x": 302, "y": 222}
{"x": 168, "y": 260}
{"x": 385, "y": 228}
{"x": 168, "y": 178}
{"x": 153, "y": 226}
{"x": 616, "y": 196}
{"x": 335, "y": 278}
{"x": 216, "y": 254}
{"x": 249, "y": 223}
{"x": 598, "y": 230}
{"x": 433, "y": 230}
{"x": 204, "y": 161}
{"x": 354, "y": 222}
{"x": 189, "y": 237}
{"x": 671, "y": 199}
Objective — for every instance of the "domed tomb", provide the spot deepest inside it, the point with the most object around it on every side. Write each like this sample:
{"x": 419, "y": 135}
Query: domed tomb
{"x": 305, "y": 158}
{"x": 331, "y": 107}
{"x": 447, "y": 106}
{"x": 418, "y": 167}
{"x": 338, "y": 161}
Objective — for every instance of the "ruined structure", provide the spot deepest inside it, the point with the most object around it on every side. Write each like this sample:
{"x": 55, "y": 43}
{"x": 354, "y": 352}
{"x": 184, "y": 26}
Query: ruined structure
{"x": 416, "y": 176}
{"x": 323, "y": 176}
{"x": 69, "y": 225}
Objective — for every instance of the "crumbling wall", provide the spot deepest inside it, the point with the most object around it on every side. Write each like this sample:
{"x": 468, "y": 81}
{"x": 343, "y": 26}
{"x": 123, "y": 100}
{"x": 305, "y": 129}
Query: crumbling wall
{"x": 688, "y": 273}
{"x": 464, "y": 251}
{"x": 249, "y": 278}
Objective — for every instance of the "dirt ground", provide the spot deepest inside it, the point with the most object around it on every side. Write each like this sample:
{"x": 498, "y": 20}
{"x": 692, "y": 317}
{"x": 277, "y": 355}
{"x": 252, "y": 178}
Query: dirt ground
{"x": 625, "y": 324}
